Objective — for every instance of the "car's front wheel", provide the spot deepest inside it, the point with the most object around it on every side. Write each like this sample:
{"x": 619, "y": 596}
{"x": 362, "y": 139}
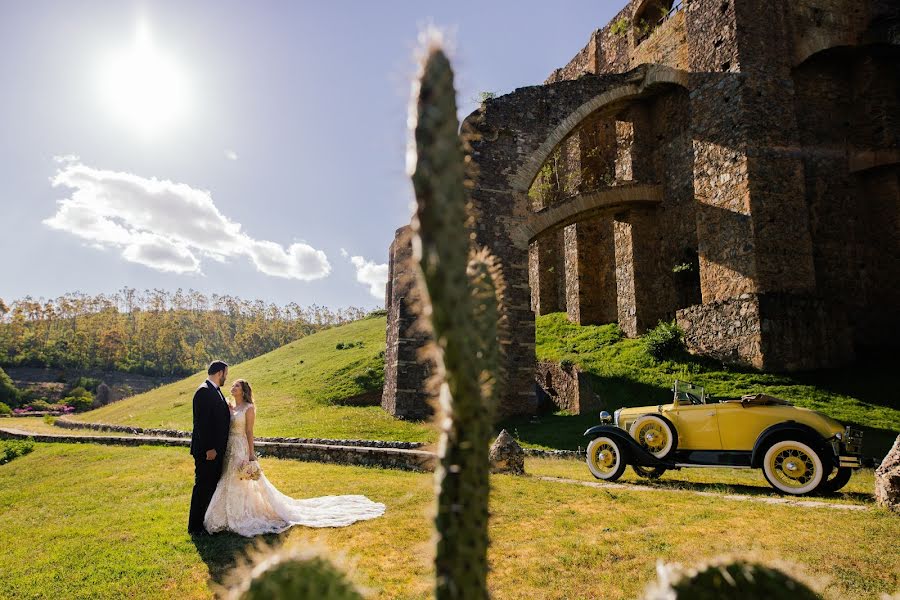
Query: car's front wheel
{"x": 606, "y": 458}
{"x": 793, "y": 467}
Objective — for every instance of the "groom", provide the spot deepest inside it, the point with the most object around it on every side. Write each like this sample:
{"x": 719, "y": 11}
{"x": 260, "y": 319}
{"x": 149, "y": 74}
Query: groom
{"x": 212, "y": 419}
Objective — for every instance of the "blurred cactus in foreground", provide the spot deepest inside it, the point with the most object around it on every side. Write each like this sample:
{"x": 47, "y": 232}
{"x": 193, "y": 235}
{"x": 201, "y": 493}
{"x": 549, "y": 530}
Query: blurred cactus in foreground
{"x": 461, "y": 300}
{"x": 289, "y": 574}
{"x": 735, "y": 580}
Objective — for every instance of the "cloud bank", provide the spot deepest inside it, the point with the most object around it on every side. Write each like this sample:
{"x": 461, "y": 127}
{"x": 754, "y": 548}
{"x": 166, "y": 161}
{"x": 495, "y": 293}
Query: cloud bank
{"x": 167, "y": 226}
{"x": 370, "y": 273}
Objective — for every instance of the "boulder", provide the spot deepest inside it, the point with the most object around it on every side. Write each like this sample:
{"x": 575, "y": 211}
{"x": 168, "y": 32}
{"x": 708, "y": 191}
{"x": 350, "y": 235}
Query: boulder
{"x": 507, "y": 455}
{"x": 887, "y": 479}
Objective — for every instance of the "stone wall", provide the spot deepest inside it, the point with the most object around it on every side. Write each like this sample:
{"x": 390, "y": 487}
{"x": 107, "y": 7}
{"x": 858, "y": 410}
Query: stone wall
{"x": 386, "y": 458}
{"x": 64, "y": 423}
{"x": 568, "y": 388}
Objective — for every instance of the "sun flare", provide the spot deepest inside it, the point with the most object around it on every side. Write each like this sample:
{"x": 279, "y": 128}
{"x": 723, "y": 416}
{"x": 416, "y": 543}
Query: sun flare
{"x": 143, "y": 87}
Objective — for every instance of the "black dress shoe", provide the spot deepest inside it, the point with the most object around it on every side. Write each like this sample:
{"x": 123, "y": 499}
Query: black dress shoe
{"x": 198, "y": 532}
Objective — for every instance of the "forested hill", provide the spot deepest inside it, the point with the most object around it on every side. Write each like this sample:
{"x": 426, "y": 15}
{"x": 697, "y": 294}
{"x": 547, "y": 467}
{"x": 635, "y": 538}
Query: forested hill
{"x": 152, "y": 332}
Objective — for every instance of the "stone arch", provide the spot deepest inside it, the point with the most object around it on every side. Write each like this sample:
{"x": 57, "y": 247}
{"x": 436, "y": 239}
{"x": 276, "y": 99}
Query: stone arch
{"x": 634, "y": 84}
{"x": 510, "y": 138}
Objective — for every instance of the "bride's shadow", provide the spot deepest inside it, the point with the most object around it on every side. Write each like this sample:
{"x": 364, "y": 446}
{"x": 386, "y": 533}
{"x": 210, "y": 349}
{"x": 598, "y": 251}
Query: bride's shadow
{"x": 222, "y": 551}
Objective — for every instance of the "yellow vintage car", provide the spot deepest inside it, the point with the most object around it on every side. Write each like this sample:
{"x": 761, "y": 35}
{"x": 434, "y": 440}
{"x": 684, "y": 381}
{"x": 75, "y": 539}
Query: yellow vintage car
{"x": 800, "y": 451}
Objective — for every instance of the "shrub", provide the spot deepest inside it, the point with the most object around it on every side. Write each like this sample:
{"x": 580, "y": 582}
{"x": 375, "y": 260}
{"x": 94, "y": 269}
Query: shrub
{"x": 4, "y": 409}
{"x": 378, "y": 312}
{"x": 49, "y": 419}
{"x": 619, "y": 27}
{"x": 78, "y": 399}
{"x": 10, "y": 449}
{"x": 666, "y": 340}
{"x": 88, "y": 383}
{"x": 37, "y": 405}
{"x": 8, "y": 392}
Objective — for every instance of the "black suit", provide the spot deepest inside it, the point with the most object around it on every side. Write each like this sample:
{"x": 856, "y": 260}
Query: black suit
{"x": 212, "y": 420}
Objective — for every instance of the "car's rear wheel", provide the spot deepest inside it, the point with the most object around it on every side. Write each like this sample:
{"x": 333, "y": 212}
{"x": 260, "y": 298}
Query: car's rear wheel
{"x": 606, "y": 458}
{"x": 793, "y": 467}
{"x": 654, "y": 435}
{"x": 649, "y": 472}
{"x": 840, "y": 479}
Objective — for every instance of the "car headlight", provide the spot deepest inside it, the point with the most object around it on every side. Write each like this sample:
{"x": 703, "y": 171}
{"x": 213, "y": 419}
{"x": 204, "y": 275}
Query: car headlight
{"x": 839, "y": 436}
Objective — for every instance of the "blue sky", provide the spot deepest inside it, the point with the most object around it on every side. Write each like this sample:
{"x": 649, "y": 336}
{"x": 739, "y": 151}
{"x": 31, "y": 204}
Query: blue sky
{"x": 249, "y": 148}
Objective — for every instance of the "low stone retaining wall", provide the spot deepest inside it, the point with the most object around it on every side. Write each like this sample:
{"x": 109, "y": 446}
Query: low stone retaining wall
{"x": 576, "y": 454}
{"x": 68, "y": 424}
{"x": 387, "y": 458}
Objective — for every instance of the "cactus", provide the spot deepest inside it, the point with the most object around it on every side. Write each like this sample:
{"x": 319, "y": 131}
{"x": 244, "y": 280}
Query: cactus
{"x": 736, "y": 580}
{"x": 289, "y": 574}
{"x": 460, "y": 299}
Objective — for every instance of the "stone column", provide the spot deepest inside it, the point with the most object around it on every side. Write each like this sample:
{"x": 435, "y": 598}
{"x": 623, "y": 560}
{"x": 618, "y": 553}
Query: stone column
{"x": 546, "y": 269}
{"x": 591, "y": 272}
{"x": 637, "y": 271}
{"x": 405, "y": 370}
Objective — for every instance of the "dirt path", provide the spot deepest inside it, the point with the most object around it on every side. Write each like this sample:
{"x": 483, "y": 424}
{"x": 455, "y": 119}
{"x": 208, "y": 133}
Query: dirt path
{"x": 738, "y": 497}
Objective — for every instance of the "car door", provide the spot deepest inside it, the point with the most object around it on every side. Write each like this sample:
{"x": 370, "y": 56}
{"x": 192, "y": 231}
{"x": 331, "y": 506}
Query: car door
{"x": 697, "y": 425}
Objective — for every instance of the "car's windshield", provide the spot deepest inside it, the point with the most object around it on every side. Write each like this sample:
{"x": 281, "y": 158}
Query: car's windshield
{"x": 686, "y": 393}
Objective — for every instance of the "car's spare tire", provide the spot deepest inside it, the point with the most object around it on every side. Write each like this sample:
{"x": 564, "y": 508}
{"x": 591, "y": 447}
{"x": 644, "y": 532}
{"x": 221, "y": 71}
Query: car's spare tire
{"x": 655, "y": 435}
{"x": 606, "y": 458}
{"x": 793, "y": 467}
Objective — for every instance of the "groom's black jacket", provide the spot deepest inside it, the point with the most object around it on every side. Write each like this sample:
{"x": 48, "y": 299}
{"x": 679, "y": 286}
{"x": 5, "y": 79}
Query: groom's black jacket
{"x": 212, "y": 420}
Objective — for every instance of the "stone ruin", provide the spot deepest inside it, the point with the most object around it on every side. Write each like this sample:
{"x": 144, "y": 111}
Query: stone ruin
{"x": 731, "y": 164}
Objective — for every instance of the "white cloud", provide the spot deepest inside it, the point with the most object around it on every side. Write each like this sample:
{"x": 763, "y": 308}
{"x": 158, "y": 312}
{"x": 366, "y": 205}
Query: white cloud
{"x": 167, "y": 226}
{"x": 371, "y": 274}
{"x": 231, "y": 155}
{"x": 344, "y": 253}
{"x": 66, "y": 158}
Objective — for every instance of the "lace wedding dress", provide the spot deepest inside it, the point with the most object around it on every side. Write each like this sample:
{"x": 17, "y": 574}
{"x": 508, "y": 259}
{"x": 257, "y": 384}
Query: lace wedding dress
{"x": 250, "y": 508}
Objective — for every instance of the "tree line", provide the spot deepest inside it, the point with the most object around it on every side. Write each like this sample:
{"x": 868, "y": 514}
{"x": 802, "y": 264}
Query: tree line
{"x": 153, "y": 332}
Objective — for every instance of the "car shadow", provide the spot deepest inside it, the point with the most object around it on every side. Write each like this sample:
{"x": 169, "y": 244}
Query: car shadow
{"x": 223, "y": 551}
{"x": 747, "y": 490}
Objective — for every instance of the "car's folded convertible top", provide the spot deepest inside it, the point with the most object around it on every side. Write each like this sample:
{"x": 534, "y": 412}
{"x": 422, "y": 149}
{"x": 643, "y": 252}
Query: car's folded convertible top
{"x": 759, "y": 400}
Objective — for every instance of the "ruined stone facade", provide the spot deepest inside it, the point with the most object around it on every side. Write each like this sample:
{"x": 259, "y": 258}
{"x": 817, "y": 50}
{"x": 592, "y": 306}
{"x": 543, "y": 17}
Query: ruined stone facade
{"x": 734, "y": 164}
{"x": 406, "y": 370}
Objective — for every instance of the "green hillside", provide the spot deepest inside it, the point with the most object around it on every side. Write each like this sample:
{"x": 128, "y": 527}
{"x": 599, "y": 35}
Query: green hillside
{"x": 295, "y": 388}
{"x": 624, "y": 374}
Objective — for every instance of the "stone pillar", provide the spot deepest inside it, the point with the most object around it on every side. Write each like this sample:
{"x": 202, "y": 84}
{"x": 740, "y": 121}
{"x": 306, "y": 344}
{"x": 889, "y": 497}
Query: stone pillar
{"x": 546, "y": 269}
{"x": 637, "y": 271}
{"x": 591, "y": 272}
{"x": 405, "y": 370}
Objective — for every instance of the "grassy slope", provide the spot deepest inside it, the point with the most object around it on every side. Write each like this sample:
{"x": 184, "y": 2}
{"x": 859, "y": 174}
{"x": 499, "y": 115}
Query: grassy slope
{"x": 84, "y": 521}
{"x": 293, "y": 398}
{"x": 625, "y": 375}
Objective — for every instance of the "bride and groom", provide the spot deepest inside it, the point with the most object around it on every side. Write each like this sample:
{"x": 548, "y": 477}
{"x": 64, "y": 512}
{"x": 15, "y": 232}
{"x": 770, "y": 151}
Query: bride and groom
{"x": 230, "y": 491}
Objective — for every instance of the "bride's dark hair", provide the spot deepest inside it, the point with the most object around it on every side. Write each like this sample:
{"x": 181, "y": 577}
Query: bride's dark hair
{"x": 248, "y": 392}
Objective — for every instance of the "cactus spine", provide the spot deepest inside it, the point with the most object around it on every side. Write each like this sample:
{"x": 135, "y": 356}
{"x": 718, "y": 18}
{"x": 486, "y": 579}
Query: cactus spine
{"x": 460, "y": 296}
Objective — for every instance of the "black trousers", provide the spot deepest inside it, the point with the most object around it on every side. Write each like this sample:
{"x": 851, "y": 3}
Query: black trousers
{"x": 206, "y": 476}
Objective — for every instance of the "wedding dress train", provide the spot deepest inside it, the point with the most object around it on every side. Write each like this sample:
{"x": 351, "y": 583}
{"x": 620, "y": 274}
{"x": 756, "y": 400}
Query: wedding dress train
{"x": 251, "y": 508}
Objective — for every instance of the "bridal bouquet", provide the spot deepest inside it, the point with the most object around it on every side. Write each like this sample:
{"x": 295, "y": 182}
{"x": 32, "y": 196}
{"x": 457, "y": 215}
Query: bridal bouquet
{"x": 249, "y": 470}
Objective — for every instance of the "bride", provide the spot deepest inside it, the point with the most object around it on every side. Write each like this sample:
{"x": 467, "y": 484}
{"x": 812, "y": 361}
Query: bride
{"x": 250, "y": 506}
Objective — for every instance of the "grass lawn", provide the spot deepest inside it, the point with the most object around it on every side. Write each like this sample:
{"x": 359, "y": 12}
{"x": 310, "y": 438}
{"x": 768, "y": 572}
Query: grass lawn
{"x": 623, "y": 374}
{"x": 294, "y": 387}
{"x": 85, "y": 521}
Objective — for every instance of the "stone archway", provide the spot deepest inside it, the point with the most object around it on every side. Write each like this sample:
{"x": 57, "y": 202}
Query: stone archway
{"x": 511, "y": 137}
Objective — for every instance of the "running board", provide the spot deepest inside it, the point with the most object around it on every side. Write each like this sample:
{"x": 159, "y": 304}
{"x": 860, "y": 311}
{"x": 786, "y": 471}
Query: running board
{"x": 693, "y": 465}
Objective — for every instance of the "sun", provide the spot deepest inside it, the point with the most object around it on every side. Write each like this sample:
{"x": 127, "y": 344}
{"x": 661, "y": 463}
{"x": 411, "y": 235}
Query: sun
{"x": 144, "y": 88}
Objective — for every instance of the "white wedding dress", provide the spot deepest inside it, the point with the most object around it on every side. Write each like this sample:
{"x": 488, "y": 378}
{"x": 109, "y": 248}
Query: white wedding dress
{"x": 251, "y": 508}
